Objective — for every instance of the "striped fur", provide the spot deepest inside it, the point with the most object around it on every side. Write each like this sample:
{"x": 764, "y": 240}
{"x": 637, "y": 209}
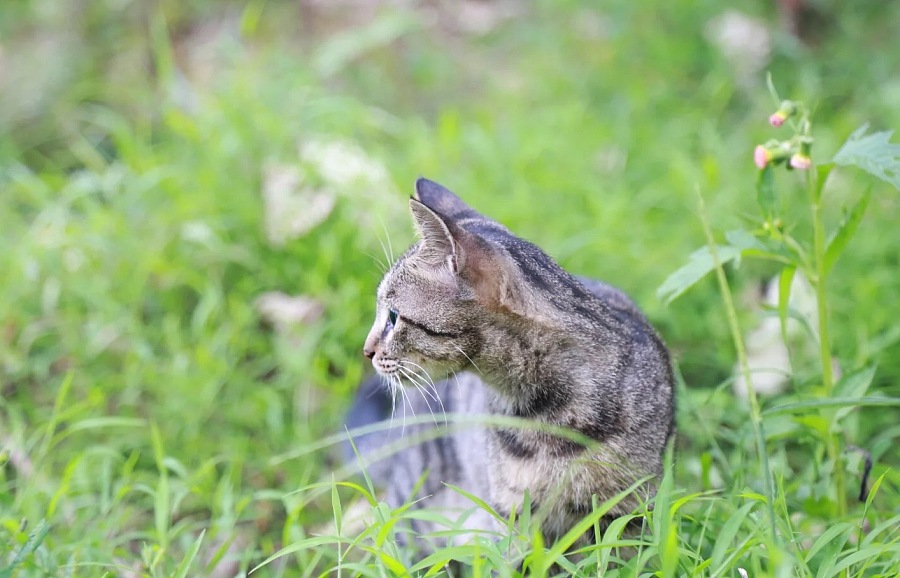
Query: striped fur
{"x": 501, "y": 329}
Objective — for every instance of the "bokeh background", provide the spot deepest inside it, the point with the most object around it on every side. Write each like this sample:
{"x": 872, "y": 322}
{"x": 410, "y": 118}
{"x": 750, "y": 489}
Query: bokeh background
{"x": 197, "y": 200}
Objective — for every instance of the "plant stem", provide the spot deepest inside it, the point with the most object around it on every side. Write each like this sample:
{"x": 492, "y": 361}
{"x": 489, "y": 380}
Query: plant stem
{"x": 734, "y": 326}
{"x": 833, "y": 441}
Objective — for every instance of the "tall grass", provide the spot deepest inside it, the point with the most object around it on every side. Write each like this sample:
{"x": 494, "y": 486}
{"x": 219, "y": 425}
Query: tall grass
{"x": 145, "y": 400}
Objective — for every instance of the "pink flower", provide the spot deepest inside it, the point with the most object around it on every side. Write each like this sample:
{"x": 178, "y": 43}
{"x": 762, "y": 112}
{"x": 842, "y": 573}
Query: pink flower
{"x": 762, "y": 156}
{"x": 786, "y": 110}
{"x": 801, "y": 162}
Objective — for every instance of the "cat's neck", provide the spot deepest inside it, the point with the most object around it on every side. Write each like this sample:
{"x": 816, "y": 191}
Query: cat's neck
{"x": 533, "y": 371}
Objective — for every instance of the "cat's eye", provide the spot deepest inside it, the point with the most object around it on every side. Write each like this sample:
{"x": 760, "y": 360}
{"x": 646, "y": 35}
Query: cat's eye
{"x": 392, "y": 316}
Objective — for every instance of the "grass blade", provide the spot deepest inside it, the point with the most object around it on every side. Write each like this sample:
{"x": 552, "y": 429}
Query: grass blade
{"x": 182, "y": 570}
{"x": 845, "y": 230}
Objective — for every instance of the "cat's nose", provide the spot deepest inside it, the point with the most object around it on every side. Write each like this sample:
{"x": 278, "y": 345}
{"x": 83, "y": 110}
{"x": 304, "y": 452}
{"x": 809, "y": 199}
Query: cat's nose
{"x": 370, "y": 353}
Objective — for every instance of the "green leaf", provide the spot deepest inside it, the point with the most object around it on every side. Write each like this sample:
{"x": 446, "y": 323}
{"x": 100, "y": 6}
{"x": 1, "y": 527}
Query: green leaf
{"x": 745, "y": 240}
{"x": 765, "y": 191}
{"x": 834, "y": 402}
{"x": 579, "y": 529}
{"x": 771, "y": 85}
{"x": 392, "y": 563}
{"x": 185, "y": 565}
{"x": 853, "y": 386}
{"x": 822, "y": 172}
{"x": 336, "y": 508}
{"x": 858, "y": 556}
{"x": 726, "y": 535}
{"x": 873, "y": 153}
{"x": 699, "y": 264}
{"x": 161, "y": 497}
{"x": 31, "y": 544}
{"x": 887, "y": 527}
{"x": 874, "y": 490}
{"x": 478, "y": 502}
{"x": 299, "y": 546}
{"x": 784, "y": 298}
{"x": 827, "y": 538}
{"x": 845, "y": 231}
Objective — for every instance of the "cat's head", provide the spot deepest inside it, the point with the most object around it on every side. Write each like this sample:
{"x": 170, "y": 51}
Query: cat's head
{"x": 436, "y": 302}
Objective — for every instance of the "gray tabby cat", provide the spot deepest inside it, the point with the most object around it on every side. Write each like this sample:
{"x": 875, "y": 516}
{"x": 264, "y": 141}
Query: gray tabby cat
{"x": 512, "y": 334}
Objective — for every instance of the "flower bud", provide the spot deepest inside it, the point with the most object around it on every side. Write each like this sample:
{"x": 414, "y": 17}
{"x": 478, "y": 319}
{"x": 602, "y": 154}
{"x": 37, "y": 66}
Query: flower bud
{"x": 762, "y": 156}
{"x": 773, "y": 152}
{"x": 801, "y": 160}
{"x": 784, "y": 112}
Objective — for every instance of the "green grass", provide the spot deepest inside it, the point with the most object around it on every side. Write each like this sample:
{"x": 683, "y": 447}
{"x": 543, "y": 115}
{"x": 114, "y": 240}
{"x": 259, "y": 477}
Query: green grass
{"x": 150, "y": 419}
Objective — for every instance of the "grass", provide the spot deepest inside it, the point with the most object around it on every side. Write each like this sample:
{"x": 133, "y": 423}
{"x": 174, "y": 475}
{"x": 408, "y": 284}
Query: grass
{"x": 150, "y": 418}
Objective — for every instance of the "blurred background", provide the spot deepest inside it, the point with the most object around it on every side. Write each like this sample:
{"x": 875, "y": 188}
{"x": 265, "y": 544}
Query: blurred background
{"x": 197, "y": 200}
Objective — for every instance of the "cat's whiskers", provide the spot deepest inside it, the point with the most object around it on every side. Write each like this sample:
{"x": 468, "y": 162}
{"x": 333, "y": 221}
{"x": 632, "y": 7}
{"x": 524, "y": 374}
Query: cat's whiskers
{"x": 425, "y": 380}
{"x": 389, "y": 244}
{"x": 417, "y": 366}
{"x": 418, "y": 381}
{"x": 391, "y": 387}
{"x": 458, "y": 348}
{"x": 382, "y": 267}
{"x": 424, "y": 393}
{"x": 407, "y": 401}
{"x": 423, "y": 374}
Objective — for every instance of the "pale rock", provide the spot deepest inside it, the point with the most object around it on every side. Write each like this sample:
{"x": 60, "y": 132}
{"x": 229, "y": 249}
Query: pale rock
{"x": 284, "y": 311}
{"x": 292, "y": 207}
{"x": 744, "y": 41}
{"x": 767, "y": 354}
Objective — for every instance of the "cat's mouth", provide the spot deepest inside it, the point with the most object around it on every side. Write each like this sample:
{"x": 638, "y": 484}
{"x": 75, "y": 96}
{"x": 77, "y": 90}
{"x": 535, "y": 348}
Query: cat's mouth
{"x": 403, "y": 370}
{"x": 386, "y": 367}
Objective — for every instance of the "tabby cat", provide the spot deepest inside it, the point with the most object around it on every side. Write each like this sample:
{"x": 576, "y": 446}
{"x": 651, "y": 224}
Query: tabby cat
{"x": 509, "y": 333}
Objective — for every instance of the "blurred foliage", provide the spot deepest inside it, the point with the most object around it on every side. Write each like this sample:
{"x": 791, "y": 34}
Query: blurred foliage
{"x": 134, "y": 136}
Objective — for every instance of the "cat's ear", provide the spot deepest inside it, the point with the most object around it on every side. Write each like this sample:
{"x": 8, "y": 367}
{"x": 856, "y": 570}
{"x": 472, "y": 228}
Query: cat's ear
{"x": 487, "y": 269}
{"x": 441, "y": 200}
{"x": 438, "y": 246}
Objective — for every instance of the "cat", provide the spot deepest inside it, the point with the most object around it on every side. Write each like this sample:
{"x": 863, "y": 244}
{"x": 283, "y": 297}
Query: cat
{"x": 510, "y": 334}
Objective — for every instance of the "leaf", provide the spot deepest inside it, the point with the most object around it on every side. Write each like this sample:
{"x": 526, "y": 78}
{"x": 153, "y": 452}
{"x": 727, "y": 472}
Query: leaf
{"x": 726, "y": 535}
{"x": 336, "y": 508}
{"x": 861, "y": 555}
{"x": 699, "y": 264}
{"x": 478, "y": 502}
{"x": 765, "y": 191}
{"x": 845, "y": 230}
{"x": 301, "y": 545}
{"x": 887, "y": 527}
{"x": 822, "y": 172}
{"x": 185, "y": 565}
{"x": 834, "y": 402}
{"x": 392, "y": 563}
{"x": 873, "y": 153}
{"x": 784, "y": 298}
{"x": 853, "y": 386}
{"x": 771, "y": 85}
{"x": 827, "y": 537}
{"x": 579, "y": 529}
{"x": 31, "y": 544}
{"x": 161, "y": 497}
{"x": 745, "y": 240}
{"x": 874, "y": 490}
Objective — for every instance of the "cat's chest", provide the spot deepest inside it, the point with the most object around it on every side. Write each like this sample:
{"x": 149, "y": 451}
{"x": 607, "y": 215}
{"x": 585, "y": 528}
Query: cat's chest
{"x": 562, "y": 486}
{"x": 517, "y": 468}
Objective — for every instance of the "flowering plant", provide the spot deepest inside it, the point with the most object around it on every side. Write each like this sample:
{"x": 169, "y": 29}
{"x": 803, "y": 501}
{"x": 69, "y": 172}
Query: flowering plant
{"x": 823, "y": 405}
